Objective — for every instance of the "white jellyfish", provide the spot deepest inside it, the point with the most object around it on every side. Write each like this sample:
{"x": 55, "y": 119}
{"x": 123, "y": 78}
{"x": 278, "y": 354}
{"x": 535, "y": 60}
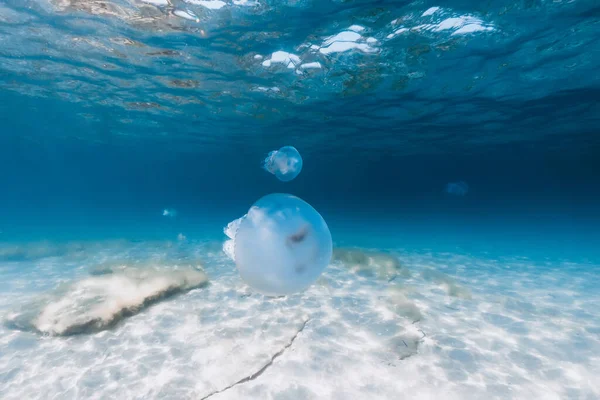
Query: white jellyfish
{"x": 230, "y": 230}
{"x": 285, "y": 163}
{"x": 457, "y": 188}
{"x": 280, "y": 246}
{"x": 169, "y": 212}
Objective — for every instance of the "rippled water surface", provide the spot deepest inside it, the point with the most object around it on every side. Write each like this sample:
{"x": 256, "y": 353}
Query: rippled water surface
{"x": 207, "y": 72}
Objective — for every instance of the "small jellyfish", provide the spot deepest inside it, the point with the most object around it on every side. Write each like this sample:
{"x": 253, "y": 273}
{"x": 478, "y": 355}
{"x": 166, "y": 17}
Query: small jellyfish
{"x": 285, "y": 163}
{"x": 169, "y": 213}
{"x": 457, "y": 188}
{"x": 281, "y": 245}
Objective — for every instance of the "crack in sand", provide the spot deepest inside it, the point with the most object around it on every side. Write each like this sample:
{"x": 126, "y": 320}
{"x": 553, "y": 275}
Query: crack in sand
{"x": 265, "y": 367}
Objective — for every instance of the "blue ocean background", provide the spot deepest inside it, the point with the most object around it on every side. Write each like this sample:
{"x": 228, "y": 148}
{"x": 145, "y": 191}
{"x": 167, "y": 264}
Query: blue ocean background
{"x": 113, "y": 111}
{"x": 99, "y": 135}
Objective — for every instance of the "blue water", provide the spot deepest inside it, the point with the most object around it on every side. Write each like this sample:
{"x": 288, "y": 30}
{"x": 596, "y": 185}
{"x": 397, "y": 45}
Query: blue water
{"x": 112, "y": 111}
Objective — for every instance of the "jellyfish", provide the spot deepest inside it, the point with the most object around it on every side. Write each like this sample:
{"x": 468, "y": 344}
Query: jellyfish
{"x": 281, "y": 246}
{"x": 457, "y": 188}
{"x": 285, "y": 163}
{"x": 169, "y": 212}
{"x": 230, "y": 230}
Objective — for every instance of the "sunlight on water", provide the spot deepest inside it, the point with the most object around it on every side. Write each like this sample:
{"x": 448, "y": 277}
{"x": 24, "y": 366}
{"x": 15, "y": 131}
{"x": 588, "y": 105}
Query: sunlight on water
{"x": 183, "y": 64}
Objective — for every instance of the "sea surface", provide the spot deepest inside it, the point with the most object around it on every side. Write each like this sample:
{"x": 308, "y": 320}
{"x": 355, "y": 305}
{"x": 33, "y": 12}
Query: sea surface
{"x": 453, "y": 149}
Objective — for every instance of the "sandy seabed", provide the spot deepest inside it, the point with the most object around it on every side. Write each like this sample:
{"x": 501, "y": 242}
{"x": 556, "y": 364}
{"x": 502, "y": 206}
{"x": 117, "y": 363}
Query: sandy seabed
{"x": 376, "y": 325}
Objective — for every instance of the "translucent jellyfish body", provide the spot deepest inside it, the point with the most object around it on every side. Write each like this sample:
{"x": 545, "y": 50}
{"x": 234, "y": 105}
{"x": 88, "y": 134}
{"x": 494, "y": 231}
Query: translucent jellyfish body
{"x": 169, "y": 212}
{"x": 457, "y": 188}
{"x": 285, "y": 163}
{"x": 281, "y": 245}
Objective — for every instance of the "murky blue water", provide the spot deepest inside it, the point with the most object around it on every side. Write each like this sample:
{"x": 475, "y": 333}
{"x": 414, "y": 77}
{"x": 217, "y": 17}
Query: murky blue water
{"x": 132, "y": 132}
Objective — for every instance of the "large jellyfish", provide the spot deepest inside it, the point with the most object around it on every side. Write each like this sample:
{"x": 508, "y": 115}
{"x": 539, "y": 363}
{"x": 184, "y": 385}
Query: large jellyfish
{"x": 457, "y": 188}
{"x": 285, "y": 163}
{"x": 280, "y": 246}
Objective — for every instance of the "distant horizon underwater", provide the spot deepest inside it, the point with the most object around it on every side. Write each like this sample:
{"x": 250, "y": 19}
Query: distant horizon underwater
{"x": 451, "y": 149}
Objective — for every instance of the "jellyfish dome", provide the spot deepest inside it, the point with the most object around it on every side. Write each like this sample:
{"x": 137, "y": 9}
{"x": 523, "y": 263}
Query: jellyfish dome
{"x": 457, "y": 188}
{"x": 281, "y": 245}
{"x": 285, "y": 163}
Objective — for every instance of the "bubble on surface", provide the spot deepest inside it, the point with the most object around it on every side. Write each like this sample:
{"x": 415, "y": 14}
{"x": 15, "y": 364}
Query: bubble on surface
{"x": 457, "y": 188}
{"x": 430, "y": 11}
{"x": 281, "y": 246}
{"x": 346, "y": 40}
{"x": 186, "y": 15}
{"x": 156, "y": 2}
{"x": 282, "y": 57}
{"x": 210, "y": 4}
{"x": 311, "y": 65}
{"x": 285, "y": 163}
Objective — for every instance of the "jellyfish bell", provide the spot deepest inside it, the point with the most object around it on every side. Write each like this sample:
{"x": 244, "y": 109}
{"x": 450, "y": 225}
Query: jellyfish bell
{"x": 285, "y": 163}
{"x": 460, "y": 188}
{"x": 281, "y": 245}
{"x": 167, "y": 212}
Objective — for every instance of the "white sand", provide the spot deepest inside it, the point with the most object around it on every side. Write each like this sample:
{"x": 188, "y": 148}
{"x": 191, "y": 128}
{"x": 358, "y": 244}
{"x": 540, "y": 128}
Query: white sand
{"x": 526, "y": 331}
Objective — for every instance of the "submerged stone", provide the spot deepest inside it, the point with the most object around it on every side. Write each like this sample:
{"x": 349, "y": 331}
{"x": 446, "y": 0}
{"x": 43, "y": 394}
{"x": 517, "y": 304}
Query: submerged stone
{"x": 100, "y": 301}
{"x": 371, "y": 263}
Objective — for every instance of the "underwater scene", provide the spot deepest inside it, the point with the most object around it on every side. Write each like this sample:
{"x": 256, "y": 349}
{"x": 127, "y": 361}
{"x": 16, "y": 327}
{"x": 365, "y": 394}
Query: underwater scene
{"x": 300, "y": 199}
